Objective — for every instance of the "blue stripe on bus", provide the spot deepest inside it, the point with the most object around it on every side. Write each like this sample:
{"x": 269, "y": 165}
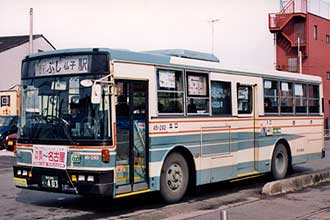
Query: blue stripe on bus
{"x": 222, "y": 147}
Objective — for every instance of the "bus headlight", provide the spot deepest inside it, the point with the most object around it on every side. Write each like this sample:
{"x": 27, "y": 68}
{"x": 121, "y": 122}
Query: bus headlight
{"x": 90, "y": 178}
{"x": 81, "y": 178}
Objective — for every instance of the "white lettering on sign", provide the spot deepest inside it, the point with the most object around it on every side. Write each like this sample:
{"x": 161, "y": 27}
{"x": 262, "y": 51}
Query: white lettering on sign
{"x": 62, "y": 65}
{"x": 49, "y": 156}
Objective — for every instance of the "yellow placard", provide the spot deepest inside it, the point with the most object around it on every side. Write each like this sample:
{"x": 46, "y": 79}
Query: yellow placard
{"x": 20, "y": 182}
{"x": 10, "y": 143}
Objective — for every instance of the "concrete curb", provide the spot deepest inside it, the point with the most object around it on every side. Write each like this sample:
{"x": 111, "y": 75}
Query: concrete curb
{"x": 296, "y": 183}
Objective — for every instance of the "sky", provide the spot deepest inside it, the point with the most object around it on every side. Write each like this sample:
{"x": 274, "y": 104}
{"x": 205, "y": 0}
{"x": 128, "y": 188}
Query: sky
{"x": 241, "y": 36}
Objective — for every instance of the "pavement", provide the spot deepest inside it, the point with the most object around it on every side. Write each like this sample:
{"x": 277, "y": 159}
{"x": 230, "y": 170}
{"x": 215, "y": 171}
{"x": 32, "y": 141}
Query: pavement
{"x": 7, "y": 159}
{"x": 241, "y": 200}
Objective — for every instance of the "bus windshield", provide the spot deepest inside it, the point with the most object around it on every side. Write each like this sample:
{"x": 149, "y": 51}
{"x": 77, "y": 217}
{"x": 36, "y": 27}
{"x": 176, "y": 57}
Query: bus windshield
{"x": 59, "y": 110}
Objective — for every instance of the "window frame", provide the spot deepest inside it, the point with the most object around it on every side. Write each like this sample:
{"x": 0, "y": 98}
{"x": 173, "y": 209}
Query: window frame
{"x": 250, "y": 89}
{"x": 292, "y": 97}
{"x": 206, "y": 97}
{"x": 312, "y": 98}
{"x": 230, "y": 96}
{"x": 267, "y": 96}
{"x": 158, "y": 90}
{"x": 304, "y": 96}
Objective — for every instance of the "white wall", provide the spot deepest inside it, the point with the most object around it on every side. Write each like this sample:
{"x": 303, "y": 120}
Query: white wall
{"x": 10, "y": 61}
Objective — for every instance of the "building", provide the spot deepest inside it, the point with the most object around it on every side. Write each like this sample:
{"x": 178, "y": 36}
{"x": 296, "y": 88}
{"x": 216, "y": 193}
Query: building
{"x": 10, "y": 101}
{"x": 13, "y": 49}
{"x": 304, "y": 25}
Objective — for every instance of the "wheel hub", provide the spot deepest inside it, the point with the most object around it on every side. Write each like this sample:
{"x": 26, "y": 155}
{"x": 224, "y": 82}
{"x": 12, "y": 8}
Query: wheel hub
{"x": 174, "y": 177}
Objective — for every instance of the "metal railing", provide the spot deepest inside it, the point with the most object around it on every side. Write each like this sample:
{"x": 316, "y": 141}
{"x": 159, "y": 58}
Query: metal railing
{"x": 295, "y": 6}
{"x": 319, "y": 7}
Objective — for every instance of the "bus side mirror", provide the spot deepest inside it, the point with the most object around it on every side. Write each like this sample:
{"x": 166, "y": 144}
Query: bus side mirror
{"x": 96, "y": 94}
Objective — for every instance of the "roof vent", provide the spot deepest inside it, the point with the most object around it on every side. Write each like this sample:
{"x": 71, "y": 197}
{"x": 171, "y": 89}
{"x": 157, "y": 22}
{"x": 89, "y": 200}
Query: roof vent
{"x": 187, "y": 54}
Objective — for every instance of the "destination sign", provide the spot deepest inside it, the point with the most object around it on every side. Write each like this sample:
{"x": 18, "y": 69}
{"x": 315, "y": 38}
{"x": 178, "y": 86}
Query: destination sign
{"x": 62, "y": 65}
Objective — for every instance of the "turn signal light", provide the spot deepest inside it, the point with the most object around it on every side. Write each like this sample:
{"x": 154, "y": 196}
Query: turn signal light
{"x": 105, "y": 156}
{"x": 74, "y": 178}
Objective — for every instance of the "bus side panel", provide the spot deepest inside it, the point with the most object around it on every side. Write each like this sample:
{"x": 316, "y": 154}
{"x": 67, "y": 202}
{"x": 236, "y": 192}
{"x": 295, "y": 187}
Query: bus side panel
{"x": 304, "y": 137}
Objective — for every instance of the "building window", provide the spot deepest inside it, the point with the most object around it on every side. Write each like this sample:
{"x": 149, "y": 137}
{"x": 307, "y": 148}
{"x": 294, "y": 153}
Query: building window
{"x": 197, "y": 93}
{"x": 5, "y": 100}
{"x": 270, "y": 96}
{"x": 286, "y": 97}
{"x": 300, "y": 98}
{"x": 315, "y": 32}
{"x": 170, "y": 92}
{"x": 313, "y": 98}
{"x": 293, "y": 64}
{"x": 221, "y": 98}
{"x": 244, "y": 99}
{"x": 327, "y": 39}
{"x": 328, "y": 75}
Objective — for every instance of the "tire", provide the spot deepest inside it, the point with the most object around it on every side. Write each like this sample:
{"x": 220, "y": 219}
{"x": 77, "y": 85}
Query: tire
{"x": 174, "y": 178}
{"x": 280, "y": 162}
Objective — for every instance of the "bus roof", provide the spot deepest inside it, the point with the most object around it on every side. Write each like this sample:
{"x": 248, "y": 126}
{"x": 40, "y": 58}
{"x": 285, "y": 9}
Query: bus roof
{"x": 167, "y": 58}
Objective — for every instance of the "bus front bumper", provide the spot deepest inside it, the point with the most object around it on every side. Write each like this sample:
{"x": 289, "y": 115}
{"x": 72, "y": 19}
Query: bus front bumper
{"x": 65, "y": 181}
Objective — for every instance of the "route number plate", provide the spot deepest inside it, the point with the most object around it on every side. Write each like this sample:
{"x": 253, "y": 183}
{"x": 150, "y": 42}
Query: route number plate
{"x": 49, "y": 182}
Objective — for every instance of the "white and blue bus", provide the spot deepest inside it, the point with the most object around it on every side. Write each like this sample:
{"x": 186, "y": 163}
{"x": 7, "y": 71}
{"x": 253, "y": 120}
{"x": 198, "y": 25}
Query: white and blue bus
{"x": 118, "y": 123}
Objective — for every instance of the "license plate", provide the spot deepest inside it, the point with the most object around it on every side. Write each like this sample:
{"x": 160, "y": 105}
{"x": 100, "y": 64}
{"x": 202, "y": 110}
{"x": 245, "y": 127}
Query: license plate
{"x": 10, "y": 143}
{"x": 49, "y": 182}
{"x": 20, "y": 182}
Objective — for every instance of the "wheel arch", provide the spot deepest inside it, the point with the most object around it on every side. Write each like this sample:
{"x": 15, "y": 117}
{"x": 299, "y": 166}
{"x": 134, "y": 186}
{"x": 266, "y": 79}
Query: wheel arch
{"x": 287, "y": 146}
{"x": 187, "y": 154}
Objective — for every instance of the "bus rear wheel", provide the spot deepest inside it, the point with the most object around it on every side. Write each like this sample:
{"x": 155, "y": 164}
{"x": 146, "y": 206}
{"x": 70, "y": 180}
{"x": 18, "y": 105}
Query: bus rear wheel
{"x": 280, "y": 162}
{"x": 174, "y": 178}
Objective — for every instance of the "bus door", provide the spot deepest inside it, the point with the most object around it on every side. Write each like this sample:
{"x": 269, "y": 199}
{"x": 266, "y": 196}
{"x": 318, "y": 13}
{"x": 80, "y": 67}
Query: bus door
{"x": 246, "y": 144}
{"x": 131, "y": 132}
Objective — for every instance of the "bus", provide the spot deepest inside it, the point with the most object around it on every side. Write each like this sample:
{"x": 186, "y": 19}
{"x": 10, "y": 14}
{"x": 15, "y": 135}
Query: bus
{"x": 118, "y": 123}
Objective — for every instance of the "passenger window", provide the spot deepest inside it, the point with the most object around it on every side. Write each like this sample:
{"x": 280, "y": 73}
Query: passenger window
{"x": 197, "y": 93}
{"x": 313, "y": 99}
{"x": 170, "y": 92}
{"x": 244, "y": 99}
{"x": 270, "y": 96}
{"x": 286, "y": 97}
{"x": 221, "y": 98}
{"x": 300, "y": 98}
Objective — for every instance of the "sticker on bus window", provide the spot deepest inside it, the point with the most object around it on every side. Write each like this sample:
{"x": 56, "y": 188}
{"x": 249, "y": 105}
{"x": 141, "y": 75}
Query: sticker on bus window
{"x": 268, "y": 84}
{"x": 49, "y": 156}
{"x": 284, "y": 86}
{"x": 167, "y": 79}
{"x": 298, "y": 90}
{"x": 197, "y": 85}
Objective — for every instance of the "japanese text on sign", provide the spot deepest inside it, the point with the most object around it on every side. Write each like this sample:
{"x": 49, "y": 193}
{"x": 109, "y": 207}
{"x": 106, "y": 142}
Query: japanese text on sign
{"x": 49, "y": 156}
{"x": 62, "y": 65}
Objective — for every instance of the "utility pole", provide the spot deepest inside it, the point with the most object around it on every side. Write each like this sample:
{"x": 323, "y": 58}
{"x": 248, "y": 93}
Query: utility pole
{"x": 300, "y": 56}
{"x": 212, "y": 21}
{"x": 31, "y": 32}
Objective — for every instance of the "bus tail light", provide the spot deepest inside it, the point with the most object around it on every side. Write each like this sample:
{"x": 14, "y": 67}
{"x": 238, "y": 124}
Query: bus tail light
{"x": 105, "y": 156}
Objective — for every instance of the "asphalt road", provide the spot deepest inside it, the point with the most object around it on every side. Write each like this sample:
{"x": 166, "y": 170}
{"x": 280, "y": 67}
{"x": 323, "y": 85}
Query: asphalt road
{"x": 241, "y": 199}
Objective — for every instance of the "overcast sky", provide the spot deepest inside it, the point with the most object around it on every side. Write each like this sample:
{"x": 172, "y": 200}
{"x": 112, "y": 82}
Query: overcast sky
{"x": 241, "y": 36}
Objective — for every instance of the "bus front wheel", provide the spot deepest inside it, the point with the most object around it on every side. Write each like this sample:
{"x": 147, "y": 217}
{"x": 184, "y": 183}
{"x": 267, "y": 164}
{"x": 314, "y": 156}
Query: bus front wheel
{"x": 280, "y": 162}
{"x": 174, "y": 178}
